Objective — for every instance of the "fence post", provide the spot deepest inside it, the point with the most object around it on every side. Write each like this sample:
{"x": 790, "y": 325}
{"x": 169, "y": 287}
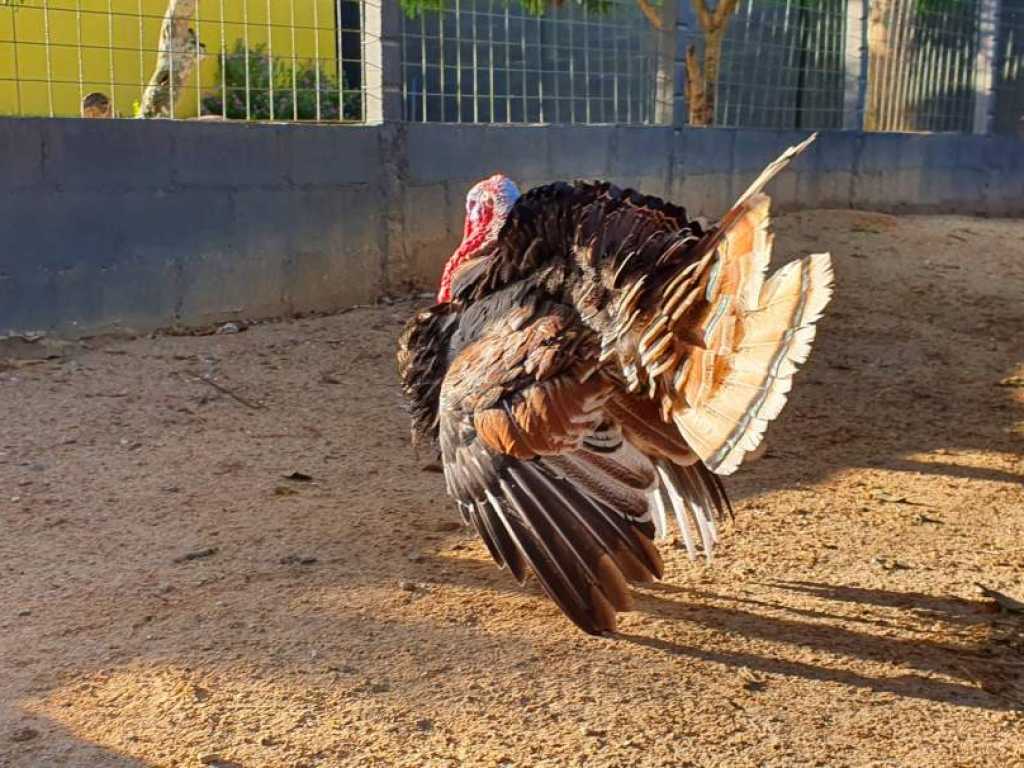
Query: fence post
{"x": 382, "y": 61}
{"x": 679, "y": 65}
{"x": 984, "y": 66}
{"x": 666, "y": 46}
{"x": 856, "y": 65}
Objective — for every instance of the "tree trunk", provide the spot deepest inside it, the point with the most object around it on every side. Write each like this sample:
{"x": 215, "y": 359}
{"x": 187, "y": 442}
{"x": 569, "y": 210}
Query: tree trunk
{"x": 878, "y": 61}
{"x": 696, "y": 97}
{"x": 712, "y": 65}
{"x": 179, "y": 50}
{"x": 702, "y": 82}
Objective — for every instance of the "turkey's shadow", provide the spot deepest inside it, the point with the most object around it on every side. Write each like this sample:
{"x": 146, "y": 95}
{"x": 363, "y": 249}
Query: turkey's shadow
{"x": 940, "y": 649}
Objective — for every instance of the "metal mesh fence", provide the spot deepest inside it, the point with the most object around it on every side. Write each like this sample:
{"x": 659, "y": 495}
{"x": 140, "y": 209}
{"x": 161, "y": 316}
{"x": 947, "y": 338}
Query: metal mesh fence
{"x": 1008, "y": 88}
{"x": 234, "y": 59}
{"x": 793, "y": 63}
{"x": 492, "y": 61}
{"x": 884, "y": 65}
{"x": 922, "y": 65}
{"x": 782, "y": 64}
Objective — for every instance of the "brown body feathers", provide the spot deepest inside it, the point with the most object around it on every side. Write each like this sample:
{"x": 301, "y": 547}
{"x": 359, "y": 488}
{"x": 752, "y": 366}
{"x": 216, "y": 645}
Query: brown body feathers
{"x": 600, "y": 363}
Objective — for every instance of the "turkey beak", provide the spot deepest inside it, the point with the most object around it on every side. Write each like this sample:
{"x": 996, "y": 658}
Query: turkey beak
{"x": 472, "y": 218}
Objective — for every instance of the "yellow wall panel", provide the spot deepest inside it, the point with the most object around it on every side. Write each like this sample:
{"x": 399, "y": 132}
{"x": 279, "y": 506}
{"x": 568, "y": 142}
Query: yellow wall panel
{"x": 51, "y": 55}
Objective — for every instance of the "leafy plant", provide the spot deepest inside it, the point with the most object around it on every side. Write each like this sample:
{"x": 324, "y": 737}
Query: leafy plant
{"x": 414, "y": 8}
{"x": 277, "y": 89}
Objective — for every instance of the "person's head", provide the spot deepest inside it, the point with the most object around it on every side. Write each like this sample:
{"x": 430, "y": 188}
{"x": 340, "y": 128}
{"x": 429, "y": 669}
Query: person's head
{"x": 96, "y": 104}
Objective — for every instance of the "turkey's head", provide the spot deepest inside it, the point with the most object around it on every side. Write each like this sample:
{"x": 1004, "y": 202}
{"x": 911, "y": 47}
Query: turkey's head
{"x": 487, "y": 206}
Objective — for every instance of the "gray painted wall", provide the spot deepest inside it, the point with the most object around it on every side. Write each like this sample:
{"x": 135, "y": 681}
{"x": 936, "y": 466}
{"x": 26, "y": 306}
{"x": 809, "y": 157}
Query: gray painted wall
{"x": 138, "y": 225}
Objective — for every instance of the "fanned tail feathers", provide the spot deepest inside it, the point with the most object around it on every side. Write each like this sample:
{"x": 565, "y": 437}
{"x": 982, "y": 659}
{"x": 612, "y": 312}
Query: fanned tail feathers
{"x": 719, "y": 350}
{"x": 768, "y": 342}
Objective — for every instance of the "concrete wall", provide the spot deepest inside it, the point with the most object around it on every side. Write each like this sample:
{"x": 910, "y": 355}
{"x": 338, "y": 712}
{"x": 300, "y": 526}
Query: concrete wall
{"x": 148, "y": 224}
{"x": 704, "y": 170}
{"x": 138, "y": 225}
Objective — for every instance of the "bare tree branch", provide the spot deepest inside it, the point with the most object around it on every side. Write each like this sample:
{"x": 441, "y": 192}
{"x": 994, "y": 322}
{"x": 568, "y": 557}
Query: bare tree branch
{"x": 724, "y": 10}
{"x": 704, "y": 17}
{"x": 651, "y": 12}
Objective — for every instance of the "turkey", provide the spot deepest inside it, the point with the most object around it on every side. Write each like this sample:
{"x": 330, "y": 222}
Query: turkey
{"x": 594, "y": 363}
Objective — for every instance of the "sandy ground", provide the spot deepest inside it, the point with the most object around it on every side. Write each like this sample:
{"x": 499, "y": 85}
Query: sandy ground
{"x": 170, "y": 599}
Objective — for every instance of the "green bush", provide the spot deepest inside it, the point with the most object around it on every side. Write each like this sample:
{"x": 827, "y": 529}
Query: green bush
{"x": 294, "y": 89}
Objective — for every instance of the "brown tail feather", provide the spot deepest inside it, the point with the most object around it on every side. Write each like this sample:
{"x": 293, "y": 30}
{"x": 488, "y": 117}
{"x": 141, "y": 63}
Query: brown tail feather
{"x": 719, "y": 350}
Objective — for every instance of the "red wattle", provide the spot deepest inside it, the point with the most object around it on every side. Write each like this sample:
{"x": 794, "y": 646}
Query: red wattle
{"x": 473, "y": 240}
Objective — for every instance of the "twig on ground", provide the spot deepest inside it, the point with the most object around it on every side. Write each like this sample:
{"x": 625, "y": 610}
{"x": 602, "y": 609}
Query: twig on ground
{"x": 232, "y": 393}
{"x": 197, "y": 554}
{"x": 354, "y": 307}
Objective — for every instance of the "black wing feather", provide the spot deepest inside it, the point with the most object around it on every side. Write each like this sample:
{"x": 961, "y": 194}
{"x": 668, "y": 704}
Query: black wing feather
{"x": 580, "y": 550}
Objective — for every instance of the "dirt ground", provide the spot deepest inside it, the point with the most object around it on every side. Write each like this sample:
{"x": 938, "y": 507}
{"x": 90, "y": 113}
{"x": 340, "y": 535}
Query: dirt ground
{"x": 169, "y": 598}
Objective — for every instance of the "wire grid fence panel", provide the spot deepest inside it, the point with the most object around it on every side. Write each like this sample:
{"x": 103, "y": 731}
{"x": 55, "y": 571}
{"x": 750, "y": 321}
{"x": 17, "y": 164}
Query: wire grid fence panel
{"x": 922, "y": 65}
{"x": 1009, "y": 80}
{"x": 256, "y": 59}
{"x": 782, "y": 65}
{"x": 490, "y": 61}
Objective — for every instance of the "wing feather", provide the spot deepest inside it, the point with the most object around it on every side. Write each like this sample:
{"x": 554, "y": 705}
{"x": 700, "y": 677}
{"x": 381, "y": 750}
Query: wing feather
{"x": 549, "y": 482}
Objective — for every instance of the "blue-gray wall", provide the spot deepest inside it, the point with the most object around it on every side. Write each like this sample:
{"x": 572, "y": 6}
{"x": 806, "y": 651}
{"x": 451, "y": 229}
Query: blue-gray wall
{"x": 137, "y": 225}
